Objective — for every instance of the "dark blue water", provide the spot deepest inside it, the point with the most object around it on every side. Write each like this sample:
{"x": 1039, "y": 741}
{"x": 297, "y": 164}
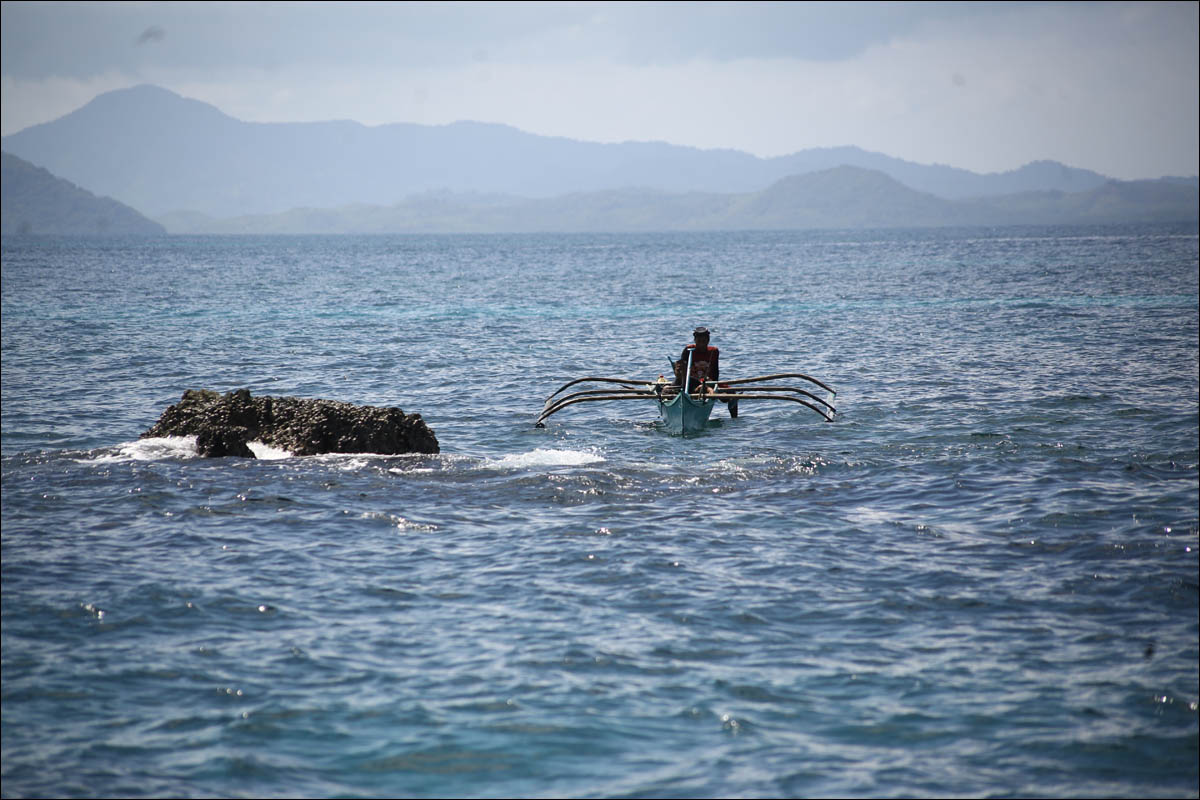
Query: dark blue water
{"x": 979, "y": 580}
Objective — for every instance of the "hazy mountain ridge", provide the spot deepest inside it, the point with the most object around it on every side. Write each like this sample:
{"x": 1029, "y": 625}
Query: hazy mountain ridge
{"x": 843, "y": 197}
{"x": 36, "y": 202}
{"x": 343, "y": 177}
{"x": 162, "y": 153}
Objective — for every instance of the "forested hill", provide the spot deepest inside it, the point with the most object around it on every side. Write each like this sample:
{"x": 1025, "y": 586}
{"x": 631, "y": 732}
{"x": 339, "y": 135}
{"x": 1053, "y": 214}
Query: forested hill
{"x": 36, "y": 202}
{"x": 843, "y": 197}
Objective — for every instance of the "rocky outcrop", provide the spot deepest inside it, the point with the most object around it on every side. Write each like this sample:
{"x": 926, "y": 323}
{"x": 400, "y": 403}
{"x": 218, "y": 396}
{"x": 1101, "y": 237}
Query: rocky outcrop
{"x": 224, "y": 424}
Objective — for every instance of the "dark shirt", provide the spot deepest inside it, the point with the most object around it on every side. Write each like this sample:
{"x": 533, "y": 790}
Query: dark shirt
{"x": 705, "y": 363}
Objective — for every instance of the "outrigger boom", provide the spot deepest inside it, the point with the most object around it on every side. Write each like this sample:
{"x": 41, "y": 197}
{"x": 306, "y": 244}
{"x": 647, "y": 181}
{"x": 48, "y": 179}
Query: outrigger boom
{"x": 686, "y": 410}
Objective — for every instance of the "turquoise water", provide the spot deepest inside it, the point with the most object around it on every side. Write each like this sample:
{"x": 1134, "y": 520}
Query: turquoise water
{"x": 979, "y": 580}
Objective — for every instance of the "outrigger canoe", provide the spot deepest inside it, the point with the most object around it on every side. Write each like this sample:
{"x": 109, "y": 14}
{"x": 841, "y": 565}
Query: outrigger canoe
{"x": 685, "y": 410}
{"x": 685, "y": 413}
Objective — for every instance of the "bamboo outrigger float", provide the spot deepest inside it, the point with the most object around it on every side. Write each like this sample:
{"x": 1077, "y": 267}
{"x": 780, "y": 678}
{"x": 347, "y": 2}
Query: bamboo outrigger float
{"x": 686, "y": 409}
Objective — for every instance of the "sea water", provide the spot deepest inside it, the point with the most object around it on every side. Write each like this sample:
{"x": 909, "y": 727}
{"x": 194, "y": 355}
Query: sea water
{"x": 979, "y": 580}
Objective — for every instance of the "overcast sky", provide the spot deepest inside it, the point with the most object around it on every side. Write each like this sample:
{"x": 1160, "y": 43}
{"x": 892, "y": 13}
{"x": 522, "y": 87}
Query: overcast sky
{"x": 1110, "y": 87}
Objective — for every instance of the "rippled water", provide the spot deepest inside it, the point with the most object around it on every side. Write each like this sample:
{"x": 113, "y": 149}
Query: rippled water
{"x": 980, "y": 580}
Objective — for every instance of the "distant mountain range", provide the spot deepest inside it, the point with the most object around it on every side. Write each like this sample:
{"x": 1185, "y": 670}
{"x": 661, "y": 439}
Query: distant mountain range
{"x": 195, "y": 169}
{"x": 843, "y": 197}
{"x": 34, "y": 201}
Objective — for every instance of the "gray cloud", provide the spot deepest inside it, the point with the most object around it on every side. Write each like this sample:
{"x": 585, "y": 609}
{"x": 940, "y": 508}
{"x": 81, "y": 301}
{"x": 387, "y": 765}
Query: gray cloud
{"x": 152, "y": 34}
{"x": 75, "y": 40}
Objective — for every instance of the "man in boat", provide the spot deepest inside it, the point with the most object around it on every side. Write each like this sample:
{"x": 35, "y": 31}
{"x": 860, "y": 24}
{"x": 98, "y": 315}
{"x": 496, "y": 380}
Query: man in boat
{"x": 706, "y": 365}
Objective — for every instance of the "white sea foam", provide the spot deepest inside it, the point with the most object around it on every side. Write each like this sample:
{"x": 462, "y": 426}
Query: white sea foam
{"x": 153, "y": 449}
{"x": 353, "y": 462}
{"x": 544, "y": 458}
{"x": 164, "y": 448}
{"x": 400, "y": 522}
{"x": 266, "y": 452}
{"x": 443, "y": 461}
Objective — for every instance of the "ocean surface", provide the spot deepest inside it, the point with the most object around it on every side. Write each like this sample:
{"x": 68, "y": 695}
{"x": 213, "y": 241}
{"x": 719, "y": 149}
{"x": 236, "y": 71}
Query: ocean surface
{"x": 979, "y": 580}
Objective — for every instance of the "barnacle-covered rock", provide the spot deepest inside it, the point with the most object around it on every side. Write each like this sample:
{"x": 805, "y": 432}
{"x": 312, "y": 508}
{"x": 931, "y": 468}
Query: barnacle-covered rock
{"x": 224, "y": 425}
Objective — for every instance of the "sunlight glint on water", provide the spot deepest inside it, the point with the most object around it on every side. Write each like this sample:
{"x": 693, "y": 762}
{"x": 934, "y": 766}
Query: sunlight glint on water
{"x": 979, "y": 580}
